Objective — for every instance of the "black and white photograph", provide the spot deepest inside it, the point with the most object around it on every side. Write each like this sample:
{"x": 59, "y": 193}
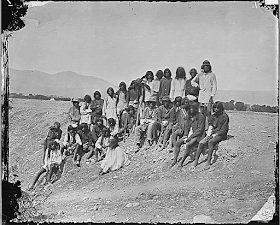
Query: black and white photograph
{"x": 140, "y": 112}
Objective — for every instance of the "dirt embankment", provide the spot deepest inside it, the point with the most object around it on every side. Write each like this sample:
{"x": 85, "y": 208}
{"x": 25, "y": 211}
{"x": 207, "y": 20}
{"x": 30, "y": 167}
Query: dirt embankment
{"x": 233, "y": 190}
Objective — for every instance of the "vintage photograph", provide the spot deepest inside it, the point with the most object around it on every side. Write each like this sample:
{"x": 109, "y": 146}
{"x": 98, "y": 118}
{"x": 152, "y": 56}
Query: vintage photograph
{"x": 139, "y": 112}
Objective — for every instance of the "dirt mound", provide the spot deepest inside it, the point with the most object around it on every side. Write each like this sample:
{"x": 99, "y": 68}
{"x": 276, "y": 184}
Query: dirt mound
{"x": 145, "y": 190}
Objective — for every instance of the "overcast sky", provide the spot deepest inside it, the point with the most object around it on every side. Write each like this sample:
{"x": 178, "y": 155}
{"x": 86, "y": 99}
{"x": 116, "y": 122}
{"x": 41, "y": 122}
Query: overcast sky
{"x": 120, "y": 41}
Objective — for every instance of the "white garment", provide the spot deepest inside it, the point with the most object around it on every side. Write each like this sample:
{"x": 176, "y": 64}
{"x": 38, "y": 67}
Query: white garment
{"x": 110, "y": 108}
{"x": 69, "y": 139}
{"x": 207, "y": 84}
{"x": 55, "y": 157}
{"x": 148, "y": 93}
{"x": 85, "y": 113}
{"x": 177, "y": 88}
{"x": 115, "y": 158}
{"x": 121, "y": 103}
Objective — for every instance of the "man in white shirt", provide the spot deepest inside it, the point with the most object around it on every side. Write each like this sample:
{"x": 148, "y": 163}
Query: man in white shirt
{"x": 207, "y": 88}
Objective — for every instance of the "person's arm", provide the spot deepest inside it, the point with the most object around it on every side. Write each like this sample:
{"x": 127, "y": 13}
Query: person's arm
{"x": 70, "y": 114}
{"x": 200, "y": 128}
{"x": 46, "y": 156}
{"x": 65, "y": 141}
{"x": 172, "y": 116}
{"x": 194, "y": 81}
{"x": 104, "y": 107}
{"x": 59, "y": 134}
{"x": 90, "y": 141}
{"x": 83, "y": 110}
{"x": 225, "y": 125}
{"x": 93, "y": 133}
{"x": 160, "y": 90}
{"x": 98, "y": 143}
{"x": 172, "y": 89}
{"x": 214, "y": 86}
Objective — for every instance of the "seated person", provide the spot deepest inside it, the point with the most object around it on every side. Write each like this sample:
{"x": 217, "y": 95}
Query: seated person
{"x": 115, "y": 157}
{"x": 71, "y": 141}
{"x": 113, "y": 127}
{"x": 181, "y": 115}
{"x": 146, "y": 122}
{"x": 196, "y": 124}
{"x": 54, "y": 133}
{"x": 128, "y": 119}
{"x": 101, "y": 146}
{"x": 53, "y": 159}
{"x": 164, "y": 121}
{"x": 74, "y": 114}
{"x": 217, "y": 132}
{"x": 86, "y": 146}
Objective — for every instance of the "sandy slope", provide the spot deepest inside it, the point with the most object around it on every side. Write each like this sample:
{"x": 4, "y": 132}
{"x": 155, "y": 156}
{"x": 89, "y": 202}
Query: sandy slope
{"x": 236, "y": 187}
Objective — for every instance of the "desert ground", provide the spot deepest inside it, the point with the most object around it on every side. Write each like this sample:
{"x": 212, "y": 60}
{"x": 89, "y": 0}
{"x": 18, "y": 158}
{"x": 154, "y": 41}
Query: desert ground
{"x": 238, "y": 184}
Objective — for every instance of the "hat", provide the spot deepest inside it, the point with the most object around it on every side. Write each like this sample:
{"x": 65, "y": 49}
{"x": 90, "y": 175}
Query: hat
{"x": 206, "y": 63}
{"x": 151, "y": 99}
{"x": 165, "y": 99}
{"x": 74, "y": 100}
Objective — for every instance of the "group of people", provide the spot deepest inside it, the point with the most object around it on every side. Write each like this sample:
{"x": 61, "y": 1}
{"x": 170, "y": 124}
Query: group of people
{"x": 164, "y": 112}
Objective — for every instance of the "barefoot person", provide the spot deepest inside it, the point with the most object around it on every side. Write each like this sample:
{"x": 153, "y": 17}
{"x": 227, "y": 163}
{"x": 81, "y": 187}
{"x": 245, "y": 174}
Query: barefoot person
{"x": 218, "y": 129}
{"x": 71, "y": 141}
{"x": 165, "y": 84}
{"x": 96, "y": 106}
{"x": 54, "y": 134}
{"x": 192, "y": 135}
{"x": 207, "y": 83}
{"x": 53, "y": 159}
{"x": 115, "y": 157}
{"x": 86, "y": 111}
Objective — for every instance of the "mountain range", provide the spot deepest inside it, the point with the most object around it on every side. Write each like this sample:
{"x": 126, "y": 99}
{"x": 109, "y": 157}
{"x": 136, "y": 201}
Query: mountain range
{"x": 71, "y": 84}
{"x": 66, "y": 83}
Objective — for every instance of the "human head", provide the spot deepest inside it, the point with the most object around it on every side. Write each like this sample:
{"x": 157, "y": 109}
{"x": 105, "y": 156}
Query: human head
{"x": 193, "y": 72}
{"x": 111, "y": 122}
{"x": 84, "y": 127}
{"x": 71, "y": 129}
{"x": 106, "y": 132}
{"x": 97, "y": 95}
{"x": 193, "y": 108}
{"x": 159, "y": 74}
{"x": 122, "y": 86}
{"x": 149, "y": 75}
{"x": 75, "y": 102}
{"x": 131, "y": 110}
{"x": 113, "y": 141}
{"x": 99, "y": 122}
{"x": 56, "y": 125}
{"x": 167, "y": 73}
{"x": 166, "y": 101}
{"x": 87, "y": 99}
{"x": 218, "y": 107}
{"x": 132, "y": 84}
{"x": 110, "y": 91}
{"x": 53, "y": 145}
{"x": 178, "y": 101}
{"x": 207, "y": 66}
{"x": 180, "y": 73}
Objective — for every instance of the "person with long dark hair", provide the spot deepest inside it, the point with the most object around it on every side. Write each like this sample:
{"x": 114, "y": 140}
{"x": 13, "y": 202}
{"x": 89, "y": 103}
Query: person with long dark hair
{"x": 96, "y": 107}
{"x": 217, "y": 132}
{"x": 165, "y": 84}
{"x": 110, "y": 105}
{"x": 155, "y": 85}
{"x": 178, "y": 84}
{"x": 191, "y": 92}
{"x": 86, "y": 111}
{"x": 121, "y": 95}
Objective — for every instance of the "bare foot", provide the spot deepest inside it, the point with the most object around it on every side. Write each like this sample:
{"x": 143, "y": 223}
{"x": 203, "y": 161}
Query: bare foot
{"x": 173, "y": 164}
{"x": 192, "y": 168}
{"x": 180, "y": 165}
{"x": 207, "y": 167}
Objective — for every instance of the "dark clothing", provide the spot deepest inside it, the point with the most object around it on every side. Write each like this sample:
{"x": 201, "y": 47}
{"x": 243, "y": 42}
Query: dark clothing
{"x": 165, "y": 114}
{"x": 96, "y": 107}
{"x": 54, "y": 134}
{"x": 74, "y": 114}
{"x": 164, "y": 87}
{"x": 132, "y": 95}
{"x": 220, "y": 124}
{"x": 96, "y": 132}
{"x": 191, "y": 90}
{"x": 86, "y": 138}
{"x": 179, "y": 115}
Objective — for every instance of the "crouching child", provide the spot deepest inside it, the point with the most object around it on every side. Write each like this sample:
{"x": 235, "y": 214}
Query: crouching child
{"x": 71, "y": 141}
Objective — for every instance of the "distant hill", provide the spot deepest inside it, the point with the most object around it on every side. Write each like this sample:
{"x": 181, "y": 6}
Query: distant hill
{"x": 66, "y": 83}
{"x": 71, "y": 84}
{"x": 249, "y": 97}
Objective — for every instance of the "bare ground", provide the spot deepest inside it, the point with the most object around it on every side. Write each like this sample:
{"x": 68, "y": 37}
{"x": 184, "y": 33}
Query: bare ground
{"x": 233, "y": 190}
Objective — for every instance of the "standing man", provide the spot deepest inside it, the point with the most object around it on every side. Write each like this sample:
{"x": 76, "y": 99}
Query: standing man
{"x": 207, "y": 83}
{"x": 191, "y": 92}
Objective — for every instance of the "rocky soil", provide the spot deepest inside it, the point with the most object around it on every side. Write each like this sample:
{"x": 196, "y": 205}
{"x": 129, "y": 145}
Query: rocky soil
{"x": 145, "y": 190}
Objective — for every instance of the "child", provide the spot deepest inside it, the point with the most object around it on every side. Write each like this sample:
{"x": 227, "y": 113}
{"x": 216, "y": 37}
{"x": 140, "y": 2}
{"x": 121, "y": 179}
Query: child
{"x": 53, "y": 159}
{"x": 54, "y": 133}
{"x": 155, "y": 85}
{"x": 165, "y": 84}
{"x": 71, "y": 141}
{"x": 102, "y": 144}
{"x": 96, "y": 107}
{"x": 86, "y": 139}
{"x": 115, "y": 157}
{"x": 128, "y": 119}
{"x": 113, "y": 127}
